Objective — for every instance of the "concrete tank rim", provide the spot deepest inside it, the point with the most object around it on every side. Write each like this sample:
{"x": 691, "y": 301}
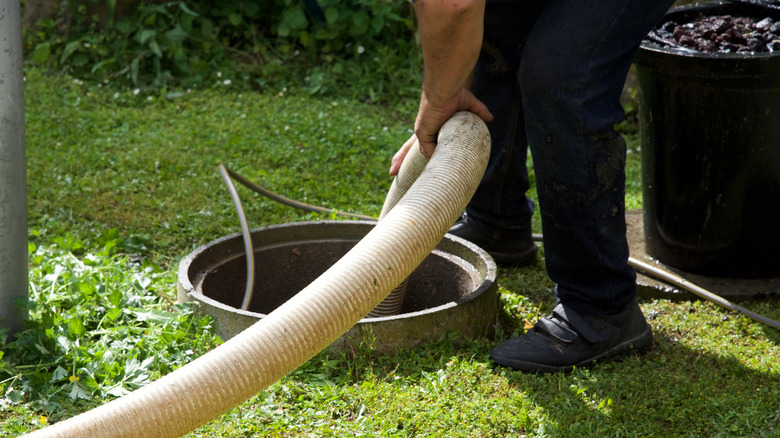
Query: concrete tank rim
{"x": 185, "y": 284}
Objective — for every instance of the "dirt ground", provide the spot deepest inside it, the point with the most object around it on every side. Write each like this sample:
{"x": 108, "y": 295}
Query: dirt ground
{"x": 729, "y": 288}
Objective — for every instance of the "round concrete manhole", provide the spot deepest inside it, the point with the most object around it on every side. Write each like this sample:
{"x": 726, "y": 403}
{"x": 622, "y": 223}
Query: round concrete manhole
{"x": 452, "y": 289}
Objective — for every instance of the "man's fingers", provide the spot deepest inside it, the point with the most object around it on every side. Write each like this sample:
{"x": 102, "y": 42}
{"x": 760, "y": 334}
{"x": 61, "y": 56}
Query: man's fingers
{"x": 398, "y": 158}
{"x": 480, "y": 109}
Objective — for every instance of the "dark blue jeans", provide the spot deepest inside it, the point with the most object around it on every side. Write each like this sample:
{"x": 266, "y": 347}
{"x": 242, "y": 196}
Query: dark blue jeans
{"x": 552, "y": 73}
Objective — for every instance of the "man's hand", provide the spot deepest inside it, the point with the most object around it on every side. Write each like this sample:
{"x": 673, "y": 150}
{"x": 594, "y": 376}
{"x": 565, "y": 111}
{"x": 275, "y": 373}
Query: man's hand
{"x": 432, "y": 115}
{"x": 430, "y": 120}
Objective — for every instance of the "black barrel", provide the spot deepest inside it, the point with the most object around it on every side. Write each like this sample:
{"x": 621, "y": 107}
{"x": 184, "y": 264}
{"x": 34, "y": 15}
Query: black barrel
{"x": 710, "y": 131}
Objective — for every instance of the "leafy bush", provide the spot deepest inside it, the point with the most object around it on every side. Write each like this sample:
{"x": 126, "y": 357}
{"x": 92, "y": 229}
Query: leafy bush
{"x": 100, "y": 325}
{"x": 361, "y": 48}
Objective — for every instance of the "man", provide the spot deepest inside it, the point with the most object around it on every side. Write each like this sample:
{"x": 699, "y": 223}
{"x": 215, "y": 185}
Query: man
{"x": 548, "y": 75}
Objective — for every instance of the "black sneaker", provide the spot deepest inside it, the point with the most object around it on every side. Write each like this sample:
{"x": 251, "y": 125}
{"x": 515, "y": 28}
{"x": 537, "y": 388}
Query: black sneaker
{"x": 566, "y": 339}
{"x": 516, "y": 252}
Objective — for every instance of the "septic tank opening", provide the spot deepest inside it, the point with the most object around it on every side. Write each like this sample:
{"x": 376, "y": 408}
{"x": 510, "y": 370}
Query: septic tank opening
{"x": 452, "y": 289}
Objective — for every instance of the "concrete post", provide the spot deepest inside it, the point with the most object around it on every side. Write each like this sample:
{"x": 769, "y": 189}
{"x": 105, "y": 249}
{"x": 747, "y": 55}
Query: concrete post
{"x": 13, "y": 172}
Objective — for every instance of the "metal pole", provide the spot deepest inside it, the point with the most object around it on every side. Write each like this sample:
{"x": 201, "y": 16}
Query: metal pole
{"x": 13, "y": 172}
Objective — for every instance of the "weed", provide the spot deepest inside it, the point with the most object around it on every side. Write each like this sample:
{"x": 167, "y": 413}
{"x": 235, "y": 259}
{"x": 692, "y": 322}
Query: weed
{"x": 99, "y": 326}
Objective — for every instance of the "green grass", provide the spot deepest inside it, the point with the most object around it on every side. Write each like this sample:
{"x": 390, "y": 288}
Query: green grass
{"x": 147, "y": 165}
{"x": 121, "y": 186}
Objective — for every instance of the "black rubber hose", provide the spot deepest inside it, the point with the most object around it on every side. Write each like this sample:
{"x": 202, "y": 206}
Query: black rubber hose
{"x": 680, "y": 282}
{"x": 287, "y": 201}
{"x": 249, "y": 253}
{"x": 651, "y": 271}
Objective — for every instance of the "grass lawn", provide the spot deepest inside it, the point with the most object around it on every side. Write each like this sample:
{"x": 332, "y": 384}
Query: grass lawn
{"x": 122, "y": 185}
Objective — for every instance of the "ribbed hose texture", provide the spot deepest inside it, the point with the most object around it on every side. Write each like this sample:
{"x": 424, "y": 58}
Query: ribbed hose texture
{"x": 277, "y": 344}
{"x": 411, "y": 168}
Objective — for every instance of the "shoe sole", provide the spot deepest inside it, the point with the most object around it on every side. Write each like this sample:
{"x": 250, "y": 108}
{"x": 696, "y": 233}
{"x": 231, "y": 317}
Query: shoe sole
{"x": 639, "y": 344}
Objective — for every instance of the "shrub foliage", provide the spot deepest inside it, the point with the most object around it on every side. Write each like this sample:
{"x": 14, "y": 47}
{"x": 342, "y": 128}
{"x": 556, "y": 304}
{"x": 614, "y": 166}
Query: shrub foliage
{"x": 365, "y": 47}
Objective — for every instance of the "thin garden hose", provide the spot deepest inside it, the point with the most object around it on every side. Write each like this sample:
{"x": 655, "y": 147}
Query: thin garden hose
{"x": 412, "y": 167}
{"x": 676, "y": 280}
{"x": 287, "y": 201}
{"x": 310, "y": 321}
{"x": 649, "y": 270}
{"x": 680, "y": 282}
{"x": 228, "y": 175}
{"x": 249, "y": 253}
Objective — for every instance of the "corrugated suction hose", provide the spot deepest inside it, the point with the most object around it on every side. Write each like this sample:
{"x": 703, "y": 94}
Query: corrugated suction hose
{"x": 310, "y": 321}
{"x": 411, "y": 168}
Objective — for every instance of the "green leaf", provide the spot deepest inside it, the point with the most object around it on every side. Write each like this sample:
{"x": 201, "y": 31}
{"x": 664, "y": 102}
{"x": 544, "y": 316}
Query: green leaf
{"x": 117, "y": 390}
{"x": 331, "y": 15}
{"x": 306, "y": 39}
{"x": 283, "y": 30}
{"x": 143, "y": 36}
{"x": 70, "y": 48}
{"x": 87, "y": 288}
{"x": 77, "y": 391}
{"x": 360, "y": 22}
{"x": 76, "y": 326}
{"x": 187, "y": 10}
{"x": 41, "y": 53}
{"x": 134, "y": 65}
{"x": 322, "y": 34}
{"x": 115, "y": 298}
{"x": 42, "y": 349}
{"x": 295, "y": 18}
{"x": 153, "y": 315}
{"x": 125, "y": 26}
{"x": 137, "y": 373}
{"x": 114, "y": 313}
{"x": 155, "y": 48}
{"x": 59, "y": 374}
{"x": 141, "y": 282}
{"x": 177, "y": 34}
{"x": 64, "y": 343}
{"x": 185, "y": 21}
{"x": 106, "y": 63}
{"x": 207, "y": 29}
{"x": 377, "y": 23}
{"x": 251, "y": 9}
{"x": 235, "y": 19}
{"x": 15, "y": 396}
{"x": 80, "y": 59}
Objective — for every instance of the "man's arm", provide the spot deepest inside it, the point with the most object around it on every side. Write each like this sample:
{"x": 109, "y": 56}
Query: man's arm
{"x": 451, "y": 38}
